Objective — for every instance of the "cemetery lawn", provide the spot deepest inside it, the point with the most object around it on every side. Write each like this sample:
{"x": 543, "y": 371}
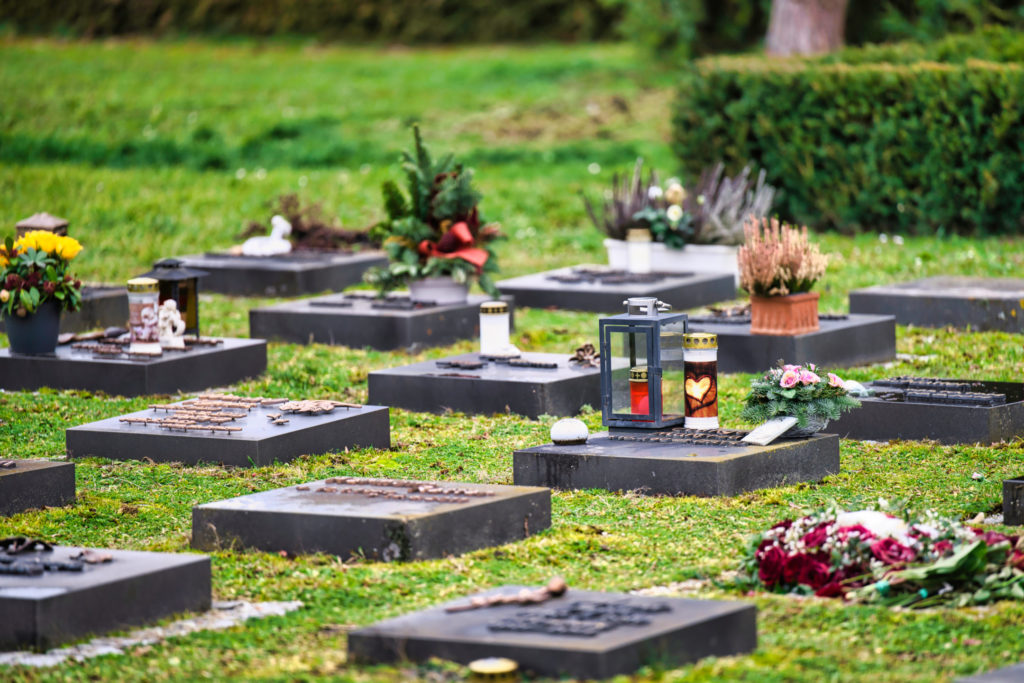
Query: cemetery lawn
{"x": 157, "y": 149}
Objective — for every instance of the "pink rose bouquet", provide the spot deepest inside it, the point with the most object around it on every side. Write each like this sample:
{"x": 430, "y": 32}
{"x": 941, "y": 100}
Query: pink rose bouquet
{"x": 799, "y": 391}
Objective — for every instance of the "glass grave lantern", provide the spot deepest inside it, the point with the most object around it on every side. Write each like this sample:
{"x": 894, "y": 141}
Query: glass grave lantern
{"x": 181, "y": 284}
{"x": 643, "y": 379}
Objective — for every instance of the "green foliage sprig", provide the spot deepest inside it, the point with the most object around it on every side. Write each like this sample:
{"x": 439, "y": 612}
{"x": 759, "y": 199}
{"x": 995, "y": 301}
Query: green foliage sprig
{"x": 797, "y": 391}
{"x": 35, "y": 270}
{"x": 420, "y": 231}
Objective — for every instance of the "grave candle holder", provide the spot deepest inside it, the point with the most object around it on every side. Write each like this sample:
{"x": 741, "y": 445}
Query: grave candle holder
{"x": 178, "y": 282}
{"x": 648, "y": 391}
{"x": 494, "y": 328}
{"x": 638, "y": 250}
{"x": 701, "y": 371}
{"x": 143, "y": 316}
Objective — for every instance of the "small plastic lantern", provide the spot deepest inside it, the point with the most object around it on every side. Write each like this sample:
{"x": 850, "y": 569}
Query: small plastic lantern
{"x": 643, "y": 381}
{"x": 181, "y": 284}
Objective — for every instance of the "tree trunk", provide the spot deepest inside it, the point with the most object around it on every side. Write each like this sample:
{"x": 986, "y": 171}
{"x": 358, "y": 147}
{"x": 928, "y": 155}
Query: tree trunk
{"x": 805, "y": 27}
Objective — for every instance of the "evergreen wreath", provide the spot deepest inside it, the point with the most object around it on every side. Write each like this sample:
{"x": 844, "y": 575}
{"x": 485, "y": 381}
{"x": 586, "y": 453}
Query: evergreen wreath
{"x": 434, "y": 228}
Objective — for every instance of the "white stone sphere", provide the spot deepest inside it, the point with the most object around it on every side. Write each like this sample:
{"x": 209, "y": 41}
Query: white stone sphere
{"x": 569, "y": 431}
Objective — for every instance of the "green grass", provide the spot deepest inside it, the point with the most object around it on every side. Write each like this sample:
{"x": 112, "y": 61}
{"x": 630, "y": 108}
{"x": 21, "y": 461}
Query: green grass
{"x": 141, "y": 146}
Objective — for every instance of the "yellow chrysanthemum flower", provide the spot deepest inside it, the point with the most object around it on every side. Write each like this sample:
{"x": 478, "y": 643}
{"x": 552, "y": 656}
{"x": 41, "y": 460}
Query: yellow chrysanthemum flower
{"x": 42, "y": 240}
{"x": 68, "y": 248}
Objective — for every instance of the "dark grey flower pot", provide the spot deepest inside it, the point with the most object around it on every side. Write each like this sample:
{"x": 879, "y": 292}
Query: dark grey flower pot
{"x": 35, "y": 334}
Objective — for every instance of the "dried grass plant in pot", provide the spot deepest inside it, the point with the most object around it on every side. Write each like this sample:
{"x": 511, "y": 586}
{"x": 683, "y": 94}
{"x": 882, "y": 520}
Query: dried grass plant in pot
{"x": 778, "y": 267}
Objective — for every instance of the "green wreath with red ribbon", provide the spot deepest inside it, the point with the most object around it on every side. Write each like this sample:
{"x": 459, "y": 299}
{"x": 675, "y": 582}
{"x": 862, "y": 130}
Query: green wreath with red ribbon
{"x": 434, "y": 228}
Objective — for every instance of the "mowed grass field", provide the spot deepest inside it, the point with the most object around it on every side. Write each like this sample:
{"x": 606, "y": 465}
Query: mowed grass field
{"x": 157, "y": 149}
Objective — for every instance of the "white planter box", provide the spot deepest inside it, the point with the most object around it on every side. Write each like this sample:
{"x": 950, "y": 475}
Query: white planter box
{"x": 693, "y": 258}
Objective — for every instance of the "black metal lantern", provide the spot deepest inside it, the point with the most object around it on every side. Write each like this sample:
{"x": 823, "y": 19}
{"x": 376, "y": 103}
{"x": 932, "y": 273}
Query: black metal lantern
{"x": 648, "y": 389}
{"x": 181, "y": 284}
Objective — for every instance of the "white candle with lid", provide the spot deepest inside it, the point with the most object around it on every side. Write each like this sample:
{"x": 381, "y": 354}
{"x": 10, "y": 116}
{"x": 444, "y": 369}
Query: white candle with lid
{"x": 494, "y": 328}
{"x": 638, "y": 250}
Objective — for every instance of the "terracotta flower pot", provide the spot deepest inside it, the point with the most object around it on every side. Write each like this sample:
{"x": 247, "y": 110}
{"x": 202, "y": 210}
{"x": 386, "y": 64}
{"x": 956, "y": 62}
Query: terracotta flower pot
{"x": 784, "y": 315}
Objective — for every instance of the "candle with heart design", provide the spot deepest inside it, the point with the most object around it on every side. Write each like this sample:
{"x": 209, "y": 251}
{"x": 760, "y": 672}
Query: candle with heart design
{"x": 700, "y": 360}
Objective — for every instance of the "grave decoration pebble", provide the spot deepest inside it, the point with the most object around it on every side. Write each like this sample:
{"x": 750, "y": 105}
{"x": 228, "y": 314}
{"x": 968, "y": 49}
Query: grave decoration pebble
{"x": 896, "y": 558}
{"x": 232, "y": 430}
{"x": 553, "y": 630}
{"x": 841, "y": 340}
{"x": 364, "y": 319}
{"x": 653, "y": 446}
{"x": 950, "y": 411}
{"x": 384, "y": 519}
{"x": 975, "y": 302}
{"x": 602, "y": 289}
{"x": 49, "y": 594}
{"x": 35, "y": 483}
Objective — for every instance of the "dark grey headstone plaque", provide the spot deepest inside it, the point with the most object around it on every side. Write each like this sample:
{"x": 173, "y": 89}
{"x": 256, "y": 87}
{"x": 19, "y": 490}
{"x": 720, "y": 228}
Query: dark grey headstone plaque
{"x": 681, "y": 290}
{"x": 878, "y": 419}
{"x": 1013, "y": 501}
{"x": 285, "y": 275}
{"x": 352, "y": 320}
{"x": 259, "y": 443}
{"x": 687, "y": 631}
{"x": 36, "y": 484}
{"x": 191, "y": 370}
{"x": 102, "y": 307}
{"x": 135, "y": 588}
{"x": 676, "y": 469}
{"x": 981, "y": 303}
{"x": 1011, "y": 674}
{"x": 325, "y": 516}
{"x": 841, "y": 342}
{"x": 495, "y": 388}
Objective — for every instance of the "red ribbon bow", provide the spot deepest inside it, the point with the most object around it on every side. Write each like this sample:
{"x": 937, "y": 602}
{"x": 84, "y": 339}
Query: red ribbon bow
{"x": 456, "y": 243}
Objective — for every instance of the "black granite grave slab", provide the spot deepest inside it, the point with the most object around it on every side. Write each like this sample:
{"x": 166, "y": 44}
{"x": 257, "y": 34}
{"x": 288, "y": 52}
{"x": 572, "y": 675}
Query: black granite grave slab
{"x": 898, "y": 415}
{"x": 981, "y": 303}
{"x": 259, "y": 443}
{"x": 291, "y": 274}
{"x": 134, "y": 588}
{"x": 433, "y": 386}
{"x": 671, "y": 632}
{"x": 102, "y": 307}
{"x": 376, "y": 518}
{"x": 841, "y": 341}
{"x": 655, "y": 468}
{"x": 1011, "y": 674}
{"x": 358, "y": 320}
{"x": 197, "y": 368}
{"x": 1013, "y": 501}
{"x": 681, "y": 290}
{"x": 35, "y": 484}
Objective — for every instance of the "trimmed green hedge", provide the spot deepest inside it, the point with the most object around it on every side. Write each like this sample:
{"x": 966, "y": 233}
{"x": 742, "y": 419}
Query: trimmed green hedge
{"x": 403, "y": 21}
{"x": 918, "y": 148}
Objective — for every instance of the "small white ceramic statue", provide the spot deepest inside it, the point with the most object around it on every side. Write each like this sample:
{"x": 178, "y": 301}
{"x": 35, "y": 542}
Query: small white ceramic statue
{"x": 273, "y": 245}
{"x": 172, "y": 327}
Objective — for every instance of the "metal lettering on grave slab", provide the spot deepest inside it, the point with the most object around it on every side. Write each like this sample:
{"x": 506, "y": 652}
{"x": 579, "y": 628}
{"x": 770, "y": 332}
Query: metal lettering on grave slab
{"x": 584, "y": 618}
{"x": 938, "y": 391}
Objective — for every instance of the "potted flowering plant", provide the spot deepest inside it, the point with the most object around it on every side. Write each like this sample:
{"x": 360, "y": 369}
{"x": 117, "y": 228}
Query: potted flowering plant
{"x": 36, "y": 288}
{"x": 778, "y": 267}
{"x": 433, "y": 234}
{"x": 903, "y": 559}
{"x": 798, "y": 391}
{"x": 693, "y": 231}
